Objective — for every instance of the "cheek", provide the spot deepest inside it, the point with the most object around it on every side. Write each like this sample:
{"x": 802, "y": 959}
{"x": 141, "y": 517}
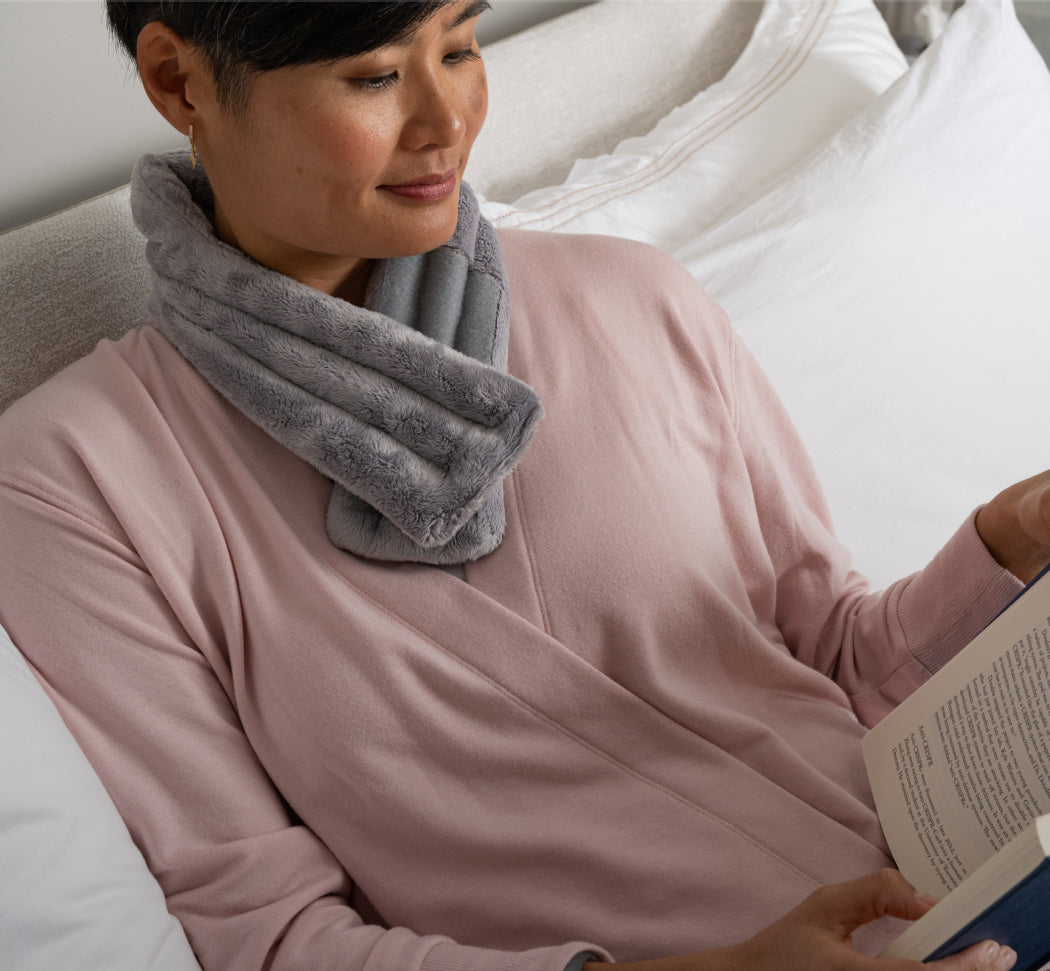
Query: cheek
{"x": 480, "y": 96}
{"x": 358, "y": 146}
{"x": 477, "y": 105}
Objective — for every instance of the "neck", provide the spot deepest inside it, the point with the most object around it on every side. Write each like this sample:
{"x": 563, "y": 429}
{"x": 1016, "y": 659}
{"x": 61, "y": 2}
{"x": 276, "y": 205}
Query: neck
{"x": 343, "y": 277}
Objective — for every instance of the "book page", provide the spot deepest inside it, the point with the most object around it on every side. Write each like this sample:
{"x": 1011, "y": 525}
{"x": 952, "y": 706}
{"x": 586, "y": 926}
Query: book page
{"x": 963, "y": 765}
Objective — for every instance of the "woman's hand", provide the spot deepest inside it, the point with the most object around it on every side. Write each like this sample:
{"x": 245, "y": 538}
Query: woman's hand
{"x": 1015, "y": 526}
{"x": 816, "y": 936}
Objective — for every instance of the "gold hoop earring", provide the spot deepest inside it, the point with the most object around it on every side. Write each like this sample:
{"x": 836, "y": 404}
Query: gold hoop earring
{"x": 194, "y": 154}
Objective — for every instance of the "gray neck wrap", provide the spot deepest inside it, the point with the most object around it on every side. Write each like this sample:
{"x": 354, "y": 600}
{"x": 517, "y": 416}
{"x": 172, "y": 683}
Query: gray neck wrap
{"x": 405, "y": 404}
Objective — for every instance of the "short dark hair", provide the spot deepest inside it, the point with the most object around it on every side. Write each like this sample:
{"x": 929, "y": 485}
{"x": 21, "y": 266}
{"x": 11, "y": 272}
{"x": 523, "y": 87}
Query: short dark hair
{"x": 240, "y": 38}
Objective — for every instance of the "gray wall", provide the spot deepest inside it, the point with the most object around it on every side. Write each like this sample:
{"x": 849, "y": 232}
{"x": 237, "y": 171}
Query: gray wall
{"x": 1035, "y": 15}
{"x": 900, "y": 15}
{"x": 72, "y": 115}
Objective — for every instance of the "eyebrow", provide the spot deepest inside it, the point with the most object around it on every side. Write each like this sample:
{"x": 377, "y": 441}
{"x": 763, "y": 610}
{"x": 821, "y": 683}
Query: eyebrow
{"x": 468, "y": 12}
{"x": 473, "y": 9}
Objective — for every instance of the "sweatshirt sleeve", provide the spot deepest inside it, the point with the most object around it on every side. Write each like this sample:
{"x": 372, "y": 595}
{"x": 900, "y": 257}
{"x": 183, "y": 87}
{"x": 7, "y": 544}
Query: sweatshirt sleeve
{"x": 251, "y": 884}
{"x": 877, "y": 645}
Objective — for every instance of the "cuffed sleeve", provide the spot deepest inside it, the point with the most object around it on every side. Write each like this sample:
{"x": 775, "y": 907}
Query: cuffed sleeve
{"x": 877, "y": 645}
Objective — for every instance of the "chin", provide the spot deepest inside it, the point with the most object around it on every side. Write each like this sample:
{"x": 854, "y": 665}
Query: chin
{"x": 429, "y": 239}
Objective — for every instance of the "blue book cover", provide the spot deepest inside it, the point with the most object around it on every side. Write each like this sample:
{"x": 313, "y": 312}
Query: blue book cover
{"x": 1019, "y": 918}
{"x": 1006, "y": 899}
{"x": 960, "y": 773}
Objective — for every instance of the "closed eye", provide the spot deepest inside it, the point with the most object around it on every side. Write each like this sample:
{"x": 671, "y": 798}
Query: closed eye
{"x": 376, "y": 83}
{"x": 382, "y": 81}
{"x": 461, "y": 56}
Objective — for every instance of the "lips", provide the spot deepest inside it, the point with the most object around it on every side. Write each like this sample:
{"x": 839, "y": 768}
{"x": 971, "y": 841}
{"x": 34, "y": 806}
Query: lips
{"x": 427, "y": 188}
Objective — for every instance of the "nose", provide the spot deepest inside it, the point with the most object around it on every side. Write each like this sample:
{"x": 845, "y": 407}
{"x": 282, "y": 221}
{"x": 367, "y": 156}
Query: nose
{"x": 436, "y": 116}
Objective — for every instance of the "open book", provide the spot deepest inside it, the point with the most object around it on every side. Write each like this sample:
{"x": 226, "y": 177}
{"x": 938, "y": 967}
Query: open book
{"x": 961, "y": 777}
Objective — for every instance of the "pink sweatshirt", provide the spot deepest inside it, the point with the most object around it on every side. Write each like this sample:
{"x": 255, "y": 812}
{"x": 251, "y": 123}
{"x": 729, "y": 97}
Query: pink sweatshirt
{"x": 636, "y": 723}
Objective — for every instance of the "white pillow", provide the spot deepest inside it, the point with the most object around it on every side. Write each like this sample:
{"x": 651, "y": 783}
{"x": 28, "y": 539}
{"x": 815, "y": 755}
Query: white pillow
{"x": 896, "y": 288}
{"x": 809, "y": 66}
{"x": 75, "y": 892}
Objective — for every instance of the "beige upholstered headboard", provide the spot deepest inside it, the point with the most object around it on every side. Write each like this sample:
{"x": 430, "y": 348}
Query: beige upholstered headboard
{"x": 71, "y": 279}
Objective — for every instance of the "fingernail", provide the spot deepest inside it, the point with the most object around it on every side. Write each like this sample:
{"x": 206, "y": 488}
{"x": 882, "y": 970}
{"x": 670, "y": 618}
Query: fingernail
{"x": 1001, "y": 957}
{"x": 997, "y": 957}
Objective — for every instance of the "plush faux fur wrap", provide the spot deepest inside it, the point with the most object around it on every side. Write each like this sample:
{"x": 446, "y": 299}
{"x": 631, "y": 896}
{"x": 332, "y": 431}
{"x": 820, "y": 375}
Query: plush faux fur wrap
{"x": 404, "y": 404}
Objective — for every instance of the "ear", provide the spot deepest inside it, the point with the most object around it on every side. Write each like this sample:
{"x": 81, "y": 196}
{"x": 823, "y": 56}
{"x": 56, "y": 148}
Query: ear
{"x": 176, "y": 78}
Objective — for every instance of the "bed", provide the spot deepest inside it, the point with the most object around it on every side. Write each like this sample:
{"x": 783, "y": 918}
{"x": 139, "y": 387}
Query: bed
{"x": 877, "y": 232}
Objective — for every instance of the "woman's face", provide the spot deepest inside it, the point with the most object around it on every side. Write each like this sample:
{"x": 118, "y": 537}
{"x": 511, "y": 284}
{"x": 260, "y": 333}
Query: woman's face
{"x": 333, "y": 165}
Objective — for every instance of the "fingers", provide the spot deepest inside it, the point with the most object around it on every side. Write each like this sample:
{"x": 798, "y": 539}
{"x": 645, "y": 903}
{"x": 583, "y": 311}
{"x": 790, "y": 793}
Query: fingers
{"x": 846, "y": 906}
{"x": 987, "y": 956}
{"x": 1015, "y": 526}
{"x": 1034, "y": 511}
{"x": 843, "y": 907}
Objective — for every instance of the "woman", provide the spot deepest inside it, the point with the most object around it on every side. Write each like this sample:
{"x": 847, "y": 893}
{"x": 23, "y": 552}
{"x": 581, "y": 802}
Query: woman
{"x": 383, "y": 670}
